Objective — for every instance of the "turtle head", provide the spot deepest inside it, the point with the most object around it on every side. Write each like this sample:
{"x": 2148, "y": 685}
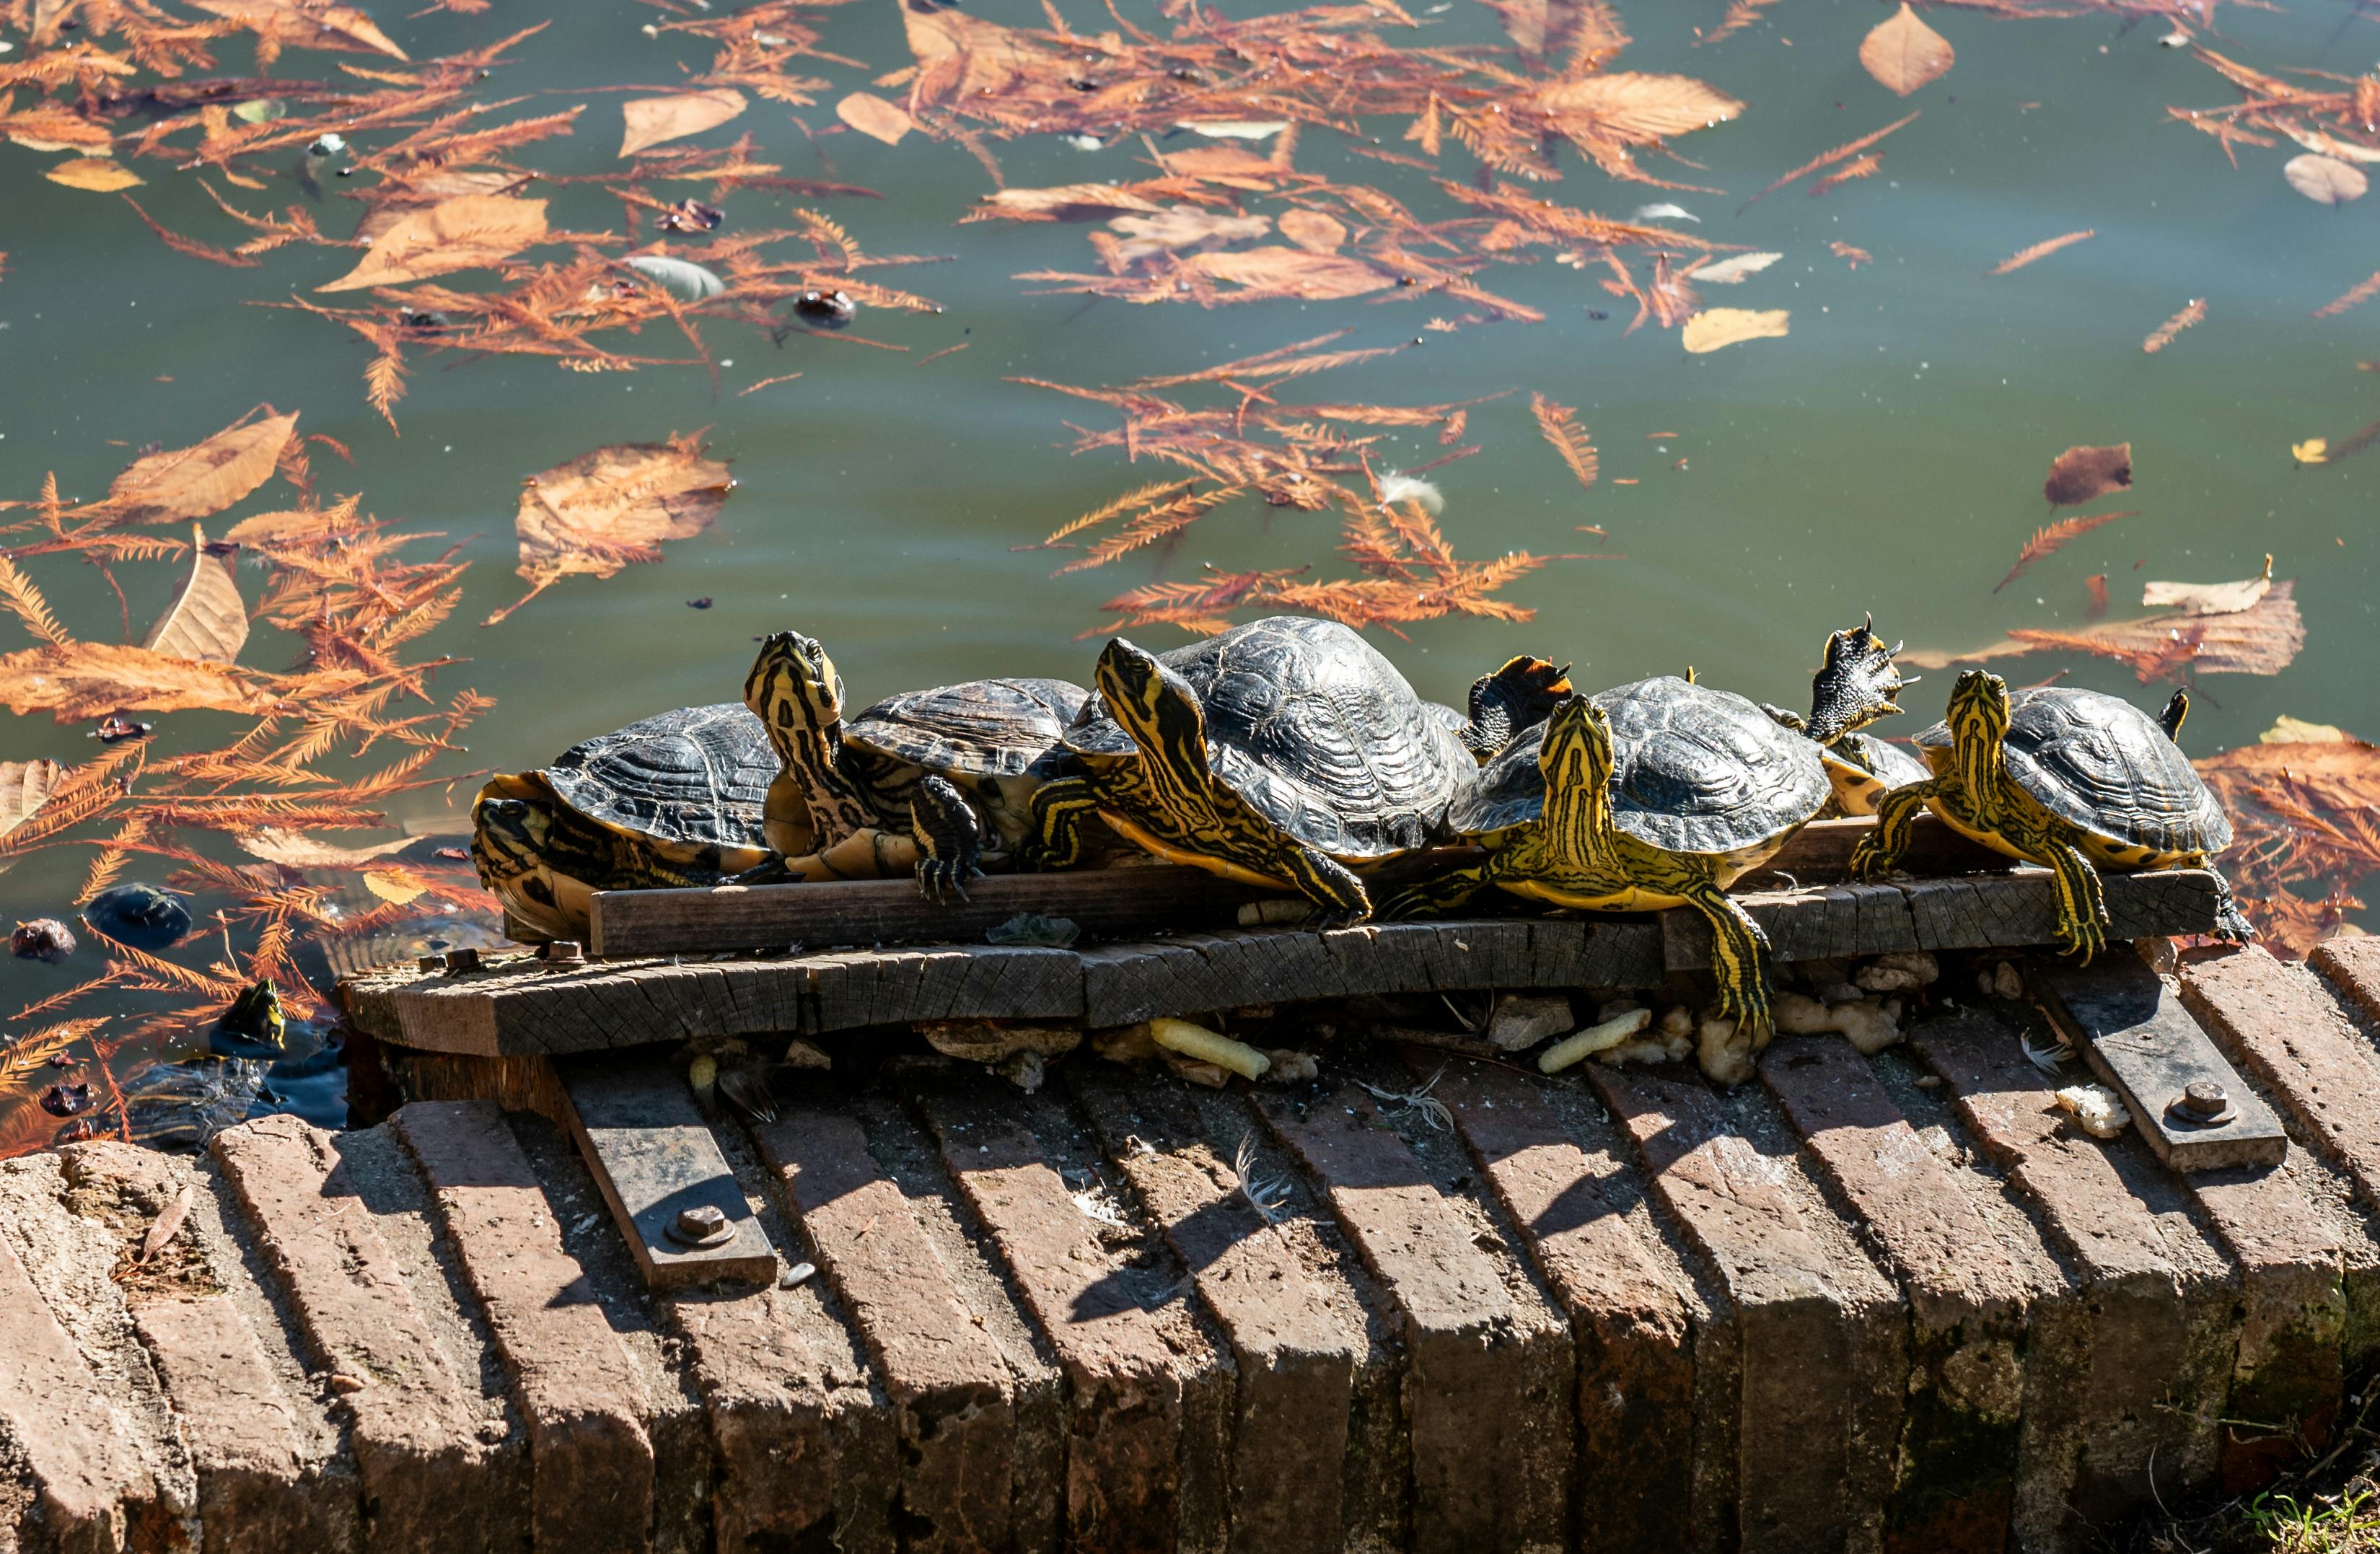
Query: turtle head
{"x": 2176, "y": 711}
{"x": 252, "y": 1027}
{"x": 794, "y": 686}
{"x": 1978, "y": 714}
{"x": 1576, "y": 758}
{"x": 1855, "y": 686}
{"x": 509, "y": 838}
{"x": 1157, "y": 708}
{"x": 1513, "y": 700}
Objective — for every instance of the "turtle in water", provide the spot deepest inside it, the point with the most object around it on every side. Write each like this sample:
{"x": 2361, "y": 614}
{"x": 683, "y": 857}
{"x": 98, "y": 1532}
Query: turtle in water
{"x": 2071, "y": 779}
{"x": 679, "y": 799}
{"x": 138, "y": 915}
{"x": 1653, "y": 794}
{"x": 1855, "y": 685}
{"x": 1283, "y": 752}
{"x": 939, "y": 780}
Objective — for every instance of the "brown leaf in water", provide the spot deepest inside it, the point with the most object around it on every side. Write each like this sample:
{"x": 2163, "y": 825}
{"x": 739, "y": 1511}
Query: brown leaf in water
{"x": 1858, "y": 168}
{"x": 202, "y": 480}
{"x": 1313, "y": 231}
{"x": 295, "y": 849}
{"x": 397, "y": 885}
{"x": 1581, "y": 33}
{"x": 461, "y": 233}
{"x": 1903, "y": 53}
{"x": 304, "y": 24}
{"x": 25, "y": 786}
{"x": 2325, "y": 180}
{"x": 25, "y": 601}
{"x": 649, "y": 121}
{"x": 2097, "y": 585}
{"x": 1179, "y": 228}
{"x": 1558, "y": 424}
{"x": 1070, "y": 202}
{"x": 2047, "y": 538}
{"x": 101, "y": 175}
{"x": 1716, "y": 327}
{"x": 605, "y": 509}
{"x": 2164, "y": 334}
{"x": 2262, "y": 640}
{"x": 2209, "y": 599}
{"x": 1279, "y": 271}
{"x": 1854, "y": 256}
{"x": 206, "y": 622}
{"x": 84, "y": 680}
{"x": 875, "y": 118}
{"x": 2081, "y": 474}
{"x": 1633, "y": 108}
{"x": 2362, "y": 291}
{"x": 1843, "y": 152}
{"x": 2043, "y": 249}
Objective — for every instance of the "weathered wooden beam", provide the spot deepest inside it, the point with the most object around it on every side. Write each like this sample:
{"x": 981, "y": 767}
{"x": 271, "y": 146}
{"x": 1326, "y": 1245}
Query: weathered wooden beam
{"x": 652, "y": 1154}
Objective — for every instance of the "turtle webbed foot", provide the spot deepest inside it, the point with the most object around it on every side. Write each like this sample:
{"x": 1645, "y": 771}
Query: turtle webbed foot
{"x": 772, "y": 871}
{"x": 2230, "y": 921}
{"x": 949, "y": 839}
{"x": 939, "y": 880}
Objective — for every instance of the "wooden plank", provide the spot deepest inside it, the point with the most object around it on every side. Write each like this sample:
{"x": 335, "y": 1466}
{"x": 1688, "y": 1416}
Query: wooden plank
{"x": 649, "y": 1149}
{"x": 1821, "y": 853}
{"x": 2132, "y": 1029}
{"x": 1820, "y": 923}
{"x": 518, "y": 1006}
{"x": 944, "y": 982}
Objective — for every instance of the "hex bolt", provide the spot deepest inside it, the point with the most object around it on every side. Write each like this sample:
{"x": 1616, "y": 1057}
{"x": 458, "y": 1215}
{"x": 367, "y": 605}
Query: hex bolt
{"x": 703, "y": 1225}
{"x": 2203, "y": 1102}
{"x": 564, "y": 952}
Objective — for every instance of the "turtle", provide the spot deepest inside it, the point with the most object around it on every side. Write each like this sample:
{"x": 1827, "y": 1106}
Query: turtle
{"x": 2075, "y": 779}
{"x": 680, "y": 798}
{"x": 1515, "y": 697}
{"x": 940, "y": 781}
{"x": 138, "y": 915}
{"x": 1660, "y": 793}
{"x": 1856, "y": 683}
{"x": 1287, "y": 751}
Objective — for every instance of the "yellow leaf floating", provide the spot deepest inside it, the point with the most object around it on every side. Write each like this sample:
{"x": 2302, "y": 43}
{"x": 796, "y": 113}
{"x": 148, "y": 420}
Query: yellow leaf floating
{"x": 1715, "y": 327}
{"x": 1904, "y": 53}
{"x": 98, "y": 174}
{"x": 2313, "y": 450}
{"x": 875, "y": 118}
{"x": 393, "y": 885}
{"x": 649, "y": 121}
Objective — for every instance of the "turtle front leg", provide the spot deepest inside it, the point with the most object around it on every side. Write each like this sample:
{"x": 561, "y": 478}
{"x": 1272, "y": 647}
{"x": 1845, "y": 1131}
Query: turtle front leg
{"x": 1447, "y": 890}
{"x": 2082, "y": 904}
{"x": 949, "y": 838}
{"x": 1329, "y": 884}
{"x": 2230, "y": 921}
{"x": 1879, "y": 851}
{"x": 1054, "y": 839}
{"x": 1739, "y": 956}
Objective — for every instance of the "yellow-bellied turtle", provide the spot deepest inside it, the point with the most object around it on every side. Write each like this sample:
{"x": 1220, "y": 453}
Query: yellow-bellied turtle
{"x": 1855, "y": 686}
{"x": 940, "y": 781}
{"x": 1516, "y": 697}
{"x": 1278, "y": 753}
{"x": 678, "y": 800}
{"x": 1653, "y": 794}
{"x": 2071, "y": 779}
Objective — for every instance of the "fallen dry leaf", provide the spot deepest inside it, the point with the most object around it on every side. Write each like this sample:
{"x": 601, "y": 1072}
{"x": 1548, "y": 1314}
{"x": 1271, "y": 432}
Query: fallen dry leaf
{"x": 397, "y": 885}
{"x": 2209, "y": 599}
{"x": 24, "y": 787}
{"x": 649, "y": 121}
{"x": 101, "y": 175}
{"x": 1732, "y": 272}
{"x": 1559, "y": 425}
{"x": 2313, "y": 450}
{"x": 460, "y": 234}
{"x": 84, "y": 680}
{"x": 2080, "y": 474}
{"x": 2287, "y": 729}
{"x": 1715, "y": 327}
{"x": 1312, "y": 231}
{"x": 2262, "y": 639}
{"x": 1904, "y": 53}
{"x": 2023, "y": 257}
{"x": 2325, "y": 180}
{"x": 1276, "y": 272}
{"x": 2048, "y": 537}
{"x": 875, "y": 118}
{"x": 304, "y": 24}
{"x": 169, "y": 1223}
{"x": 603, "y": 510}
{"x": 295, "y": 849}
{"x": 1173, "y": 231}
{"x": 202, "y": 480}
{"x": 1633, "y": 108}
{"x": 206, "y": 622}
{"x": 1069, "y": 201}
{"x": 2164, "y": 334}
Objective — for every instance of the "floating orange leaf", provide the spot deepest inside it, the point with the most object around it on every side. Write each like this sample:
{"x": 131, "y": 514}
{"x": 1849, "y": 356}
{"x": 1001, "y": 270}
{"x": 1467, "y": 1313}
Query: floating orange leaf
{"x": 1904, "y": 53}
{"x": 1843, "y": 152}
{"x": 2164, "y": 334}
{"x": 603, "y": 510}
{"x": 25, "y": 786}
{"x": 1313, "y": 231}
{"x": 460, "y": 234}
{"x": 201, "y": 480}
{"x": 2083, "y": 474}
{"x": 649, "y": 121}
{"x": 1716, "y": 327}
{"x": 2209, "y": 599}
{"x": 2047, "y": 538}
{"x": 874, "y": 117}
{"x": 1558, "y": 424}
{"x": 84, "y": 680}
{"x": 206, "y": 621}
{"x": 2023, "y": 257}
{"x": 99, "y": 174}
{"x": 295, "y": 849}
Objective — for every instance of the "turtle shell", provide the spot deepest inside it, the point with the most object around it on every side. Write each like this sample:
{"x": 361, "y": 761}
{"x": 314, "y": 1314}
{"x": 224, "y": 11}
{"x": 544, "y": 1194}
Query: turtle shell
{"x": 2098, "y": 762}
{"x": 984, "y": 728}
{"x": 1694, "y": 771}
{"x": 691, "y": 778}
{"x": 1319, "y": 733}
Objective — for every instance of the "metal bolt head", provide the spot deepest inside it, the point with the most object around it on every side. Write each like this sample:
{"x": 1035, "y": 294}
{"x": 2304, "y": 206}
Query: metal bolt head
{"x": 703, "y": 1225}
{"x": 2206, "y": 1098}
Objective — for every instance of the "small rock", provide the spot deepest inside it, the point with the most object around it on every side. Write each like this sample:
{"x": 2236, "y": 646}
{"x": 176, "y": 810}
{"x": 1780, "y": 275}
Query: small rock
{"x": 1871, "y": 1028}
{"x": 801, "y": 1053}
{"x": 2007, "y": 981}
{"x": 1799, "y": 1015}
{"x": 1929, "y": 1081}
{"x": 1489, "y": 1241}
{"x": 989, "y": 1041}
{"x": 346, "y": 1385}
{"x": 1837, "y": 992}
{"x": 1520, "y": 1023}
{"x": 1023, "y": 1069}
{"x": 2163, "y": 958}
{"x": 43, "y": 938}
{"x": 1125, "y": 1044}
{"x": 141, "y": 915}
{"x": 1900, "y": 972}
{"x": 1214, "y": 1076}
{"x": 1291, "y": 1066}
{"x": 796, "y": 1276}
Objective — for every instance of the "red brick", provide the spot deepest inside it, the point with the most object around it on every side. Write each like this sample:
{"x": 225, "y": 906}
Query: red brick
{"x": 1968, "y": 1295}
{"x": 2287, "y": 1380}
{"x": 90, "y": 1481}
{"x": 2139, "y": 1343}
{"x": 1296, "y": 1357}
{"x": 1630, "y": 1306}
{"x": 1123, "y": 1474}
{"x": 2353, "y": 965}
{"x": 2283, "y": 1027}
{"x": 592, "y": 1465}
{"x": 425, "y": 1472}
{"x": 1810, "y": 1325}
{"x": 941, "y": 1370}
{"x": 1489, "y": 1469}
{"x": 256, "y": 1492}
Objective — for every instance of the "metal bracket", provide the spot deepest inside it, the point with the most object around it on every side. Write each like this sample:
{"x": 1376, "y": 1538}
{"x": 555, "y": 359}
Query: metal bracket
{"x": 661, "y": 1172}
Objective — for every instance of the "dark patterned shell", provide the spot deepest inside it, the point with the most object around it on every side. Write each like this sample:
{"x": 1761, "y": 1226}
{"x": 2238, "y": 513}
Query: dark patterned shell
{"x": 985, "y": 728}
{"x": 1892, "y": 764}
{"x": 2101, "y": 763}
{"x": 1319, "y": 733}
{"x": 1696, "y": 770}
{"x": 695, "y": 776}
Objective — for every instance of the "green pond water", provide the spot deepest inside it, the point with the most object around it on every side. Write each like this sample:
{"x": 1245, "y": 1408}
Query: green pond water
{"x": 1886, "y": 457}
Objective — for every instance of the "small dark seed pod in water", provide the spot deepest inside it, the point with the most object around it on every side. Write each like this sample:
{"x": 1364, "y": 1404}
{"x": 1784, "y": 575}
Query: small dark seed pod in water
{"x": 828, "y": 309}
{"x": 43, "y": 938}
{"x": 67, "y": 1100}
{"x": 138, "y": 914}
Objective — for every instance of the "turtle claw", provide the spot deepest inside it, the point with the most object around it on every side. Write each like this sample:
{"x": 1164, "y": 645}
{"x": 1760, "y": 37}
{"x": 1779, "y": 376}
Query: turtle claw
{"x": 939, "y": 880}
